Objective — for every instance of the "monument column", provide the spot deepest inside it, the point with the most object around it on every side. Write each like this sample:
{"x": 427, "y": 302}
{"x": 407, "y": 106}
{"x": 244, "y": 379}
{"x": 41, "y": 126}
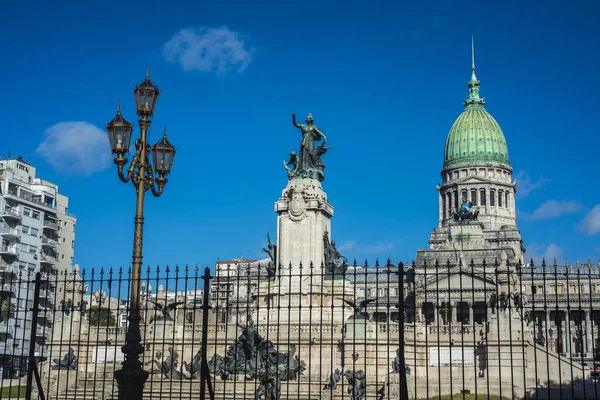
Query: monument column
{"x": 547, "y": 327}
{"x": 588, "y": 334}
{"x": 471, "y": 313}
{"x": 566, "y": 334}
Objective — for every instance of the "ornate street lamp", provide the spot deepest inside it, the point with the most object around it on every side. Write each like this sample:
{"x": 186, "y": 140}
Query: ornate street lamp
{"x": 131, "y": 377}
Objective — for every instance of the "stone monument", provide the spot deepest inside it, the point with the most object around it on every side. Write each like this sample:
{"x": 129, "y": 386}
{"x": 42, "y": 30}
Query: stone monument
{"x": 306, "y": 271}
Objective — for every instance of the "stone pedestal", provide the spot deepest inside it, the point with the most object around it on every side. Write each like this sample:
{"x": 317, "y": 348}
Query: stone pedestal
{"x": 358, "y": 329}
{"x": 393, "y": 386}
{"x": 164, "y": 330}
{"x": 303, "y": 217}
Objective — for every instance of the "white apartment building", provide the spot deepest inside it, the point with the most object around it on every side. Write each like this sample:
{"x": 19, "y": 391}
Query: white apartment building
{"x": 37, "y": 234}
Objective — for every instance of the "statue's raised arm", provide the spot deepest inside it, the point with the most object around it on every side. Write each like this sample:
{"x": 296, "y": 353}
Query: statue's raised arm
{"x": 299, "y": 126}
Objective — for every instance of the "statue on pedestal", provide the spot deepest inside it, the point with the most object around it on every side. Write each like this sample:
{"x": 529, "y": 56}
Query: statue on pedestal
{"x": 69, "y": 361}
{"x": 333, "y": 264}
{"x": 466, "y": 212}
{"x": 163, "y": 312}
{"x": 272, "y": 252}
{"x": 334, "y": 379}
{"x": 357, "y": 384}
{"x": 359, "y": 309}
{"x": 503, "y": 301}
{"x": 309, "y": 163}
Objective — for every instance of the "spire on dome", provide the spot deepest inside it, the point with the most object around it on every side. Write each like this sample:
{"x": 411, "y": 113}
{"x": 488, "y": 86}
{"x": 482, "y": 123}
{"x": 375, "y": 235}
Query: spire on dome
{"x": 474, "y": 98}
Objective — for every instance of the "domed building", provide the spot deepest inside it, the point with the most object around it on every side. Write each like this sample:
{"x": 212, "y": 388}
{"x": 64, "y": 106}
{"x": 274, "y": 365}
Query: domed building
{"x": 477, "y": 216}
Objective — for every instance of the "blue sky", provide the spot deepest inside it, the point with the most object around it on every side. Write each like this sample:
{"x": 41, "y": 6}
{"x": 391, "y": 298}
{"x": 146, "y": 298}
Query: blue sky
{"x": 384, "y": 81}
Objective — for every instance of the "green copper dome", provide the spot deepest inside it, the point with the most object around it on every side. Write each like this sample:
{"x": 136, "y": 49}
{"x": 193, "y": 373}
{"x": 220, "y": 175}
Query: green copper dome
{"x": 475, "y": 138}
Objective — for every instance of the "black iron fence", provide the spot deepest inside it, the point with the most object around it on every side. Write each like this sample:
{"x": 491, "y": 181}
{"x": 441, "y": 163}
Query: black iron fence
{"x": 250, "y": 331}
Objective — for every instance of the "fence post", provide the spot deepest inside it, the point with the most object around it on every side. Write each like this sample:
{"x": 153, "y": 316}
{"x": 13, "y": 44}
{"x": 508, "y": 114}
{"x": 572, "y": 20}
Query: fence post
{"x": 204, "y": 370}
{"x": 403, "y": 385}
{"x": 31, "y": 360}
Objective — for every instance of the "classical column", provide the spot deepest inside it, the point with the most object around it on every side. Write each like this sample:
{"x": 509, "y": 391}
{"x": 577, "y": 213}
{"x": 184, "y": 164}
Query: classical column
{"x": 567, "y": 333}
{"x": 441, "y": 208}
{"x": 471, "y": 312}
{"x": 547, "y": 328}
{"x": 588, "y": 334}
{"x": 455, "y": 315}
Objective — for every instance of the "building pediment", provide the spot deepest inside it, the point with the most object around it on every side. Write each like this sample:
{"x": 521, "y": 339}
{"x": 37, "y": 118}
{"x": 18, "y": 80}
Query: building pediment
{"x": 472, "y": 179}
{"x": 459, "y": 278}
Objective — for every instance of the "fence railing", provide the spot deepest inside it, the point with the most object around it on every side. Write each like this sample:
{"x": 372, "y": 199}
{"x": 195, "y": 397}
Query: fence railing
{"x": 299, "y": 332}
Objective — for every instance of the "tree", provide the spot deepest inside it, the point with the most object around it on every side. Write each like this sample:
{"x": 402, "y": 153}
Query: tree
{"x": 101, "y": 316}
{"x": 7, "y": 306}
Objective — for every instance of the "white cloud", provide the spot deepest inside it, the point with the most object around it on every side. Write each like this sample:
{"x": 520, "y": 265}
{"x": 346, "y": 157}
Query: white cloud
{"x": 355, "y": 247}
{"x": 541, "y": 252}
{"x": 525, "y": 186}
{"x": 75, "y": 147}
{"x": 347, "y": 245}
{"x": 204, "y": 49}
{"x": 554, "y": 209}
{"x": 591, "y": 223}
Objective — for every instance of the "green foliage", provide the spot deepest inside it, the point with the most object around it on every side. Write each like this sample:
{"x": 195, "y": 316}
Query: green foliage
{"x": 6, "y": 305}
{"x": 101, "y": 316}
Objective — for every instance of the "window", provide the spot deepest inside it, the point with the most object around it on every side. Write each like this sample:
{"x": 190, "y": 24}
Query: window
{"x": 500, "y": 198}
{"x": 27, "y": 212}
{"x": 482, "y": 197}
{"x": 23, "y": 265}
{"x": 34, "y": 231}
{"x": 65, "y": 223}
{"x": 506, "y": 199}
{"x": 31, "y": 266}
{"x": 73, "y": 244}
{"x": 64, "y": 240}
{"x": 63, "y": 256}
{"x": 25, "y": 229}
{"x": 492, "y": 198}
{"x": 575, "y": 289}
{"x": 24, "y": 247}
{"x": 443, "y": 207}
{"x": 474, "y": 196}
{"x": 32, "y": 249}
{"x": 35, "y": 214}
{"x": 456, "y": 199}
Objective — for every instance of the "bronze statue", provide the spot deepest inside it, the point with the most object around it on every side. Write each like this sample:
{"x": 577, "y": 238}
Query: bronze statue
{"x": 333, "y": 264}
{"x": 272, "y": 252}
{"x": 308, "y": 164}
{"x": 163, "y": 312}
{"x": 359, "y": 309}
{"x": 357, "y": 384}
{"x": 69, "y": 361}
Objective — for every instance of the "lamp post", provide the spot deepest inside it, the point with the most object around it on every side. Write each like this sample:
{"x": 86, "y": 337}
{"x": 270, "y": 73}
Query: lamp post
{"x": 131, "y": 377}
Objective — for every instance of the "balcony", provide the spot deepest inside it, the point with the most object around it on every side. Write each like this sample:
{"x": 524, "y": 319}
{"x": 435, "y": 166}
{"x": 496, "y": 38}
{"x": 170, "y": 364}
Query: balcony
{"x": 42, "y": 332}
{"x": 9, "y": 251}
{"x": 7, "y": 329}
{"x": 47, "y": 259}
{"x": 49, "y": 242}
{"x": 7, "y": 346}
{"x": 9, "y": 232}
{"x": 49, "y": 224}
{"x": 11, "y": 213}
